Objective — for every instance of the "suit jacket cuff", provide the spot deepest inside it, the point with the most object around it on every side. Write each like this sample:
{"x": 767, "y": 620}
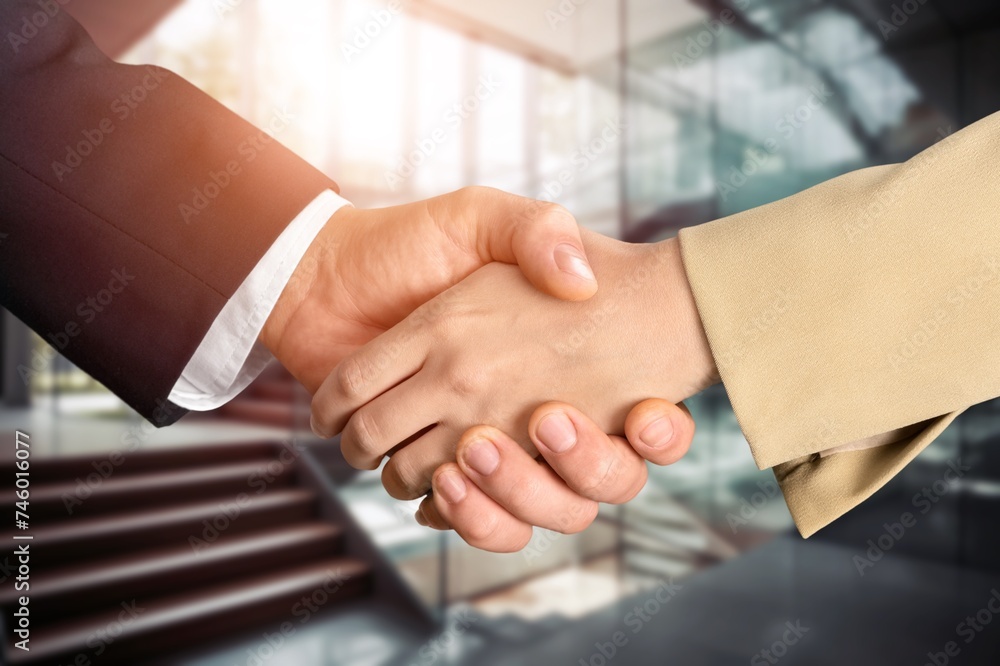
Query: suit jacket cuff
{"x": 229, "y": 357}
{"x": 856, "y": 308}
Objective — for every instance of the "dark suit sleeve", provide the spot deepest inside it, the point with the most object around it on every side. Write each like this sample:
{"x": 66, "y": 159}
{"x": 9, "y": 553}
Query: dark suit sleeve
{"x": 132, "y": 205}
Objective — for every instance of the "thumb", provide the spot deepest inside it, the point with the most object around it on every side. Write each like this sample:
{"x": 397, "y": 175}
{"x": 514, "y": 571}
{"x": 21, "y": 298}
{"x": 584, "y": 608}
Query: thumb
{"x": 544, "y": 240}
{"x": 660, "y": 431}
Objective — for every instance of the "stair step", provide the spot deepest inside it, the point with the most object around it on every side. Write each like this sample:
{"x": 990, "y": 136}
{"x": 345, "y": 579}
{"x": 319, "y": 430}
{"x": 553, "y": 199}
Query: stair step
{"x": 667, "y": 514}
{"x": 125, "y": 461}
{"x": 266, "y": 412}
{"x": 274, "y": 390}
{"x": 658, "y": 566}
{"x": 70, "y": 499}
{"x": 124, "y": 532}
{"x": 78, "y": 587}
{"x": 663, "y": 544}
{"x": 164, "y": 623}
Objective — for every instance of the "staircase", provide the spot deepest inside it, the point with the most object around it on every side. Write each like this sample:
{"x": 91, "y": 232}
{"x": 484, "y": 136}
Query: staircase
{"x": 272, "y": 399}
{"x": 169, "y": 549}
{"x": 662, "y": 539}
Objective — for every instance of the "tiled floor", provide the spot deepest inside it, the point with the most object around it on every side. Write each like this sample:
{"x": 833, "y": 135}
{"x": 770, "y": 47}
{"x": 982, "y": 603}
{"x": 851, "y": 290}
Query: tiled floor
{"x": 724, "y": 616}
{"x": 572, "y": 592}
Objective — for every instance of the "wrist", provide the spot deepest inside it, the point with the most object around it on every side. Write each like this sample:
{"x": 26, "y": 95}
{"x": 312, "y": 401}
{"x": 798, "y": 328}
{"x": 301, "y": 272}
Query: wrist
{"x": 303, "y": 284}
{"x": 680, "y": 329}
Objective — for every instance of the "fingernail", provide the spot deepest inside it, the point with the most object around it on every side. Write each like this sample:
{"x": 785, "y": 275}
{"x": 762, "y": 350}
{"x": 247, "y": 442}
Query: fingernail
{"x": 419, "y": 517}
{"x": 451, "y": 487}
{"x": 571, "y": 260}
{"x": 315, "y": 429}
{"x": 556, "y": 432}
{"x": 482, "y": 456}
{"x": 658, "y": 433}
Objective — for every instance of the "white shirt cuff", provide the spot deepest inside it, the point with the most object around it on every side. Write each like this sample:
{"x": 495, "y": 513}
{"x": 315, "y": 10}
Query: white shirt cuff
{"x": 229, "y": 357}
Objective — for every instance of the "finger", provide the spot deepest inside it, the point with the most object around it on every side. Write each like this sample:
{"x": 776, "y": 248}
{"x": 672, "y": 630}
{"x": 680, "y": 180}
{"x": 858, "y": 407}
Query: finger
{"x": 479, "y": 520}
{"x": 530, "y": 491}
{"x": 541, "y": 237}
{"x": 597, "y": 466}
{"x": 428, "y": 516}
{"x": 381, "y": 364}
{"x": 408, "y": 473}
{"x": 660, "y": 431}
{"x": 393, "y": 417}
{"x": 548, "y": 249}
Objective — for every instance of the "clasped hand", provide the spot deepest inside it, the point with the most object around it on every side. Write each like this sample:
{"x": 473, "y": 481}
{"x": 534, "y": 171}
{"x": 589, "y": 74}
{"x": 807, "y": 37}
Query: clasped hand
{"x": 458, "y": 395}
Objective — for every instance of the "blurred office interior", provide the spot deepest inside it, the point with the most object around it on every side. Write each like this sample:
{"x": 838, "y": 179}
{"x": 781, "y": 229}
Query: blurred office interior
{"x": 642, "y": 117}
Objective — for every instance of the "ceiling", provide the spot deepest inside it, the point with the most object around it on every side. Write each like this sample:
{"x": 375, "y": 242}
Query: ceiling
{"x": 567, "y": 35}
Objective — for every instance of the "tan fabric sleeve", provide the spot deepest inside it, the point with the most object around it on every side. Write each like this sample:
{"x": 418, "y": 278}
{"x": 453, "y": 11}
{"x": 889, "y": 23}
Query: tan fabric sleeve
{"x": 865, "y": 305}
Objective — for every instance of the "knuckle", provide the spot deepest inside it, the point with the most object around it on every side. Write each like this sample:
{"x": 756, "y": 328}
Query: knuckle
{"x": 403, "y": 480}
{"x": 552, "y": 212}
{"x": 480, "y": 532}
{"x": 466, "y": 381}
{"x": 470, "y": 191}
{"x": 517, "y": 543}
{"x": 476, "y": 193}
{"x": 598, "y": 484}
{"x": 434, "y": 318}
{"x": 577, "y": 519}
{"x": 362, "y": 434}
{"x": 438, "y": 317}
{"x": 528, "y": 496}
{"x": 349, "y": 378}
{"x": 469, "y": 196}
{"x": 632, "y": 489}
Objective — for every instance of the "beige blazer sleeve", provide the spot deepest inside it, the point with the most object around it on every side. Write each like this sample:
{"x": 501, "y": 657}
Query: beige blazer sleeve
{"x": 865, "y": 310}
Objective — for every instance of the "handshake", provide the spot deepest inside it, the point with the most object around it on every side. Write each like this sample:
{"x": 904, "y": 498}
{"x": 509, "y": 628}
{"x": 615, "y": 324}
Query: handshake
{"x": 420, "y": 342}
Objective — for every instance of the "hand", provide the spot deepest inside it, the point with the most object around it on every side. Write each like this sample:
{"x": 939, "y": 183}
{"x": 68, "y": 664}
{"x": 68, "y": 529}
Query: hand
{"x": 496, "y": 493}
{"x": 368, "y": 269}
{"x": 491, "y": 349}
